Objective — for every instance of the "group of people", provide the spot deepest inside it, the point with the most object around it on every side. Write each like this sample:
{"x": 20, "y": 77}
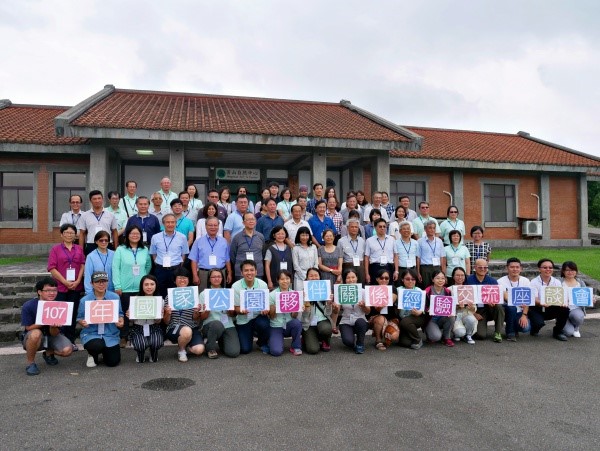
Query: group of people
{"x": 128, "y": 249}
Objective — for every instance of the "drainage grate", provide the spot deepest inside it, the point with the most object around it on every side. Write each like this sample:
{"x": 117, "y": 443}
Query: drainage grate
{"x": 409, "y": 374}
{"x": 168, "y": 384}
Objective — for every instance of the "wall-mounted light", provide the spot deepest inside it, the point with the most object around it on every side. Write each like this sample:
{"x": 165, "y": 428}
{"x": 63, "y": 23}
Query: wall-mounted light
{"x": 144, "y": 152}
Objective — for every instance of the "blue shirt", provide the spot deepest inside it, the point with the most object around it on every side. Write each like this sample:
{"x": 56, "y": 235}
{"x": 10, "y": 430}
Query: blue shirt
{"x": 175, "y": 246}
{"x": 487, "y": 280}
{"x": 96, "y": 261}
{"x": 234, "y": 223}
{"x": 266, "y": 224}
{"x": 430, "y": 249}
{"x": 111, "y": 334}
{"x": 149, "y": 224}
{"x": 185, "y": 226}
{"x": 318, "y": 227}
{"x": 204, "y": 247}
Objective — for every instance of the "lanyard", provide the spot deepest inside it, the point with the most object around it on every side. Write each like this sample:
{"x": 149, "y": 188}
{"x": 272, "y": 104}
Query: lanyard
{"x": 434, "y": 246}
{"x": 281, "y": 252}
{"x": 69, "y": 258}
{"x": 455, "y": 250}
{"x": 453, "y": 225}
{"x": 355, "y": 249}
{"x": 98, "y": 218}
{"x": 73, "y": 221}
{"x": 166, "y": 198}
{"x": 129, "y": 202}
{"x": 165, "y": 240}
{"x": 105, "y": 260}
{"x": 382, "y": 246}
{"x": 249, "y": 243}
{"x": 212, "y": 246}
{"x": 404, "y": 246}
{"x": 134, "y": 255}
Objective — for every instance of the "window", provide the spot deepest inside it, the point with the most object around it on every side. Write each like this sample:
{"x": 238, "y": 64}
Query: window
{"x": 17, "y": 196}
{"x": 414, "y": 190}
{"x": 65, "y": 185}
{"x": 499, "y": 203}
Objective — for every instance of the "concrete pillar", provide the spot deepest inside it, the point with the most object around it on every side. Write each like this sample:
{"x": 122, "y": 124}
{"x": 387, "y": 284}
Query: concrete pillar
{"x": 177, "y": 167}
{"x": 545, "y": 207}
{"x": 380, "y": 172}
{"x": 458, "y": 191}
{"x": 583, "y": 210}
{"x": 98, "y": 169}
{"x": 319, "y": 168}
{"x": 357, "y": 180}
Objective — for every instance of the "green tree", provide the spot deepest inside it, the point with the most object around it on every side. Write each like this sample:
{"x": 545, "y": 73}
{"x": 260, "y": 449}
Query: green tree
{"x": 594, "y": 203}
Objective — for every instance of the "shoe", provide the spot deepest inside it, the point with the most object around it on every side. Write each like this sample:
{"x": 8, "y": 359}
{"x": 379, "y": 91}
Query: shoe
{"x": 470, "y": 340}
{"x": 213, "y": 354}
{"x": 359, "y": 349}
{"x": 138, "y": 360}
{"x": 75, "y": 347}
{"x": 50, "y": 359}
{"x": 577, "y": 334}
{"x": 497, "y": 337}
{"x": 32, "y": 369}
{"x": 265, "y": 349}
{"x": 534, "y": 334}
{"x": 123, "y": 343}
{"x": 448, "y": 342}
{"x": 182, "y": 356}
{"x": 91, "y": 363}
{"x": 456, "y": 339}
{"x": 325, "y": 347}
{"x": 561, "y": 337}
{"x": 511, "y": 338}
{"x": 296, "y": 351}
{"x": 417, "y": 346}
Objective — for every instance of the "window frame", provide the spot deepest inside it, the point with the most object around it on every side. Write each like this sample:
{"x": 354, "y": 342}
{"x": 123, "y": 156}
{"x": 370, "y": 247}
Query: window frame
{"x": 504, "y": 182}
{"x": 71, "y": 191}
{"x": 24, "y": 223}
{"x": 412, "y": 179}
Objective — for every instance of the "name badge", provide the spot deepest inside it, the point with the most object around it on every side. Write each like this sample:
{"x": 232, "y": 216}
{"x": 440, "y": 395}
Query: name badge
{"x": 146, "y": 328}
{"x": 355, "y": 261}
{"x": 411, "y": 262}
{"x": 435, "y": 261}
{"x": 166, "y": 261}
{"x": 145, "y": 237}
{"x": 97, "y": 229}
{"x": 383, "y": 260}
{"x": 136, "y": 270}
{"x": 455, "y": 261}
{"x": 249, "y": 256}
{"x": 212, "y": 260}
{"x": 101, "y": 329}
{"x": 71, "y": 275}
{"x": 282, "y": 266}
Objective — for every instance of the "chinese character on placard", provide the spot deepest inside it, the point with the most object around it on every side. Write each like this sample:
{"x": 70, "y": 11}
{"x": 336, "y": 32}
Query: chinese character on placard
{"x": 553, "y": 296}
{"x": 145, "y": 307}
{"x": 347, "y": 293}
{"x": 582, "y": 296}
{"x": 442, "y": 306}
{"x": 490, "y": 294}
{"x": 378, "y": 295}
{"x": 465, "y": 294}
{"x": 317, "y": 290}
{"x": 520, "y": 296}
{"x": 219, "y": 299}
{"x": 183, "y": 298}
{"x": 255, "y": 300}
{"x": 101, "y": 311}
{"x": 412, "y": 299}
{"x": 52, "y": 313}
{"x": 288, "y": 302}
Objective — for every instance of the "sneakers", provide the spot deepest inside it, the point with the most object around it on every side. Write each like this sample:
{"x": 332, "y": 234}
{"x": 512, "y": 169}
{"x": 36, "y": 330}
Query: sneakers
{"x": 265, "y": 349}
{"x": 577, "y": 334}
{"x": 359, "y": 349}
{"x": 417, "y": 346}
{"x": 50, "y": 359}
{"x": 325, "y": 346}
{"x": 448, "y": 342}
{"x": 32, "y": 369}
{"x": 560, "y": 337}
{"x": 511, "y": 338}
{"x": 90, "y": 362}
{"x": 470, "y": 340}
{"x": 296, "y": 351}
{"x": 497, "y": 337}
{"x": 140, "y": 358}
{"x": 75, "y": 347}
{"x": 182, "y": 356}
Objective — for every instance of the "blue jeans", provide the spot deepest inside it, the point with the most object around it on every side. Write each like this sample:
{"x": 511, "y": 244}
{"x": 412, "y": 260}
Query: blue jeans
{"x": 292, "y": 329}
{"x": 259, "y": 326}
{"x": 512, "y": 321}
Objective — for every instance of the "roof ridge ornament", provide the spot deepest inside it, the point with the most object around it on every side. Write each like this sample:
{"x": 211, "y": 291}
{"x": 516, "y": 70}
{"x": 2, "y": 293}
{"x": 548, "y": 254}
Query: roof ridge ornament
{"x": 62, "y": 121}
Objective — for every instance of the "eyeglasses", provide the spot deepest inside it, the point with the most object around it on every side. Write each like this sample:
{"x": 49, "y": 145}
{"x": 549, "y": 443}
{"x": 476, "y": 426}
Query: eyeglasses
{"x": 546, "y": 267}
{"x": 453, "y": 211}
{"x": 75, "y": 202}
{"x": 50, "y": 290}
{"x": 103, "y": 240}
{"x": 423, "y": 208}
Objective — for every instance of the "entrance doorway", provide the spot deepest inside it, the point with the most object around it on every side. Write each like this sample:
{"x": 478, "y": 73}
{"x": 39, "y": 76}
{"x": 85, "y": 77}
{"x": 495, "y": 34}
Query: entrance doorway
{"x": 252, "y": 188}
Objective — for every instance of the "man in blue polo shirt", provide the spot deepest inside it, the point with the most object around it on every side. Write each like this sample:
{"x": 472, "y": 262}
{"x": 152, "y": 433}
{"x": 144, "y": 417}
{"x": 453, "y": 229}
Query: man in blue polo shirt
{"x": 487, "y": 312}
{"x": 319, "y": 223}
{"x": 149, "y": 224}
{"x": 266, "y": 223}
{"x": 168, "y": 250}
{"x": 210, "y": 251}
{"x": 235, "y": 221}
{"x": 184, "y": 225}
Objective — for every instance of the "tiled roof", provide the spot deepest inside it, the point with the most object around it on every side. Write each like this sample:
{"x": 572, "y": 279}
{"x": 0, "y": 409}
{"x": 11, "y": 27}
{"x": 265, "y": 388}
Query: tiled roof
{"x": 32, "y": 124}
{"x": 443, "y": 144}
{"x": 148, "y": 110}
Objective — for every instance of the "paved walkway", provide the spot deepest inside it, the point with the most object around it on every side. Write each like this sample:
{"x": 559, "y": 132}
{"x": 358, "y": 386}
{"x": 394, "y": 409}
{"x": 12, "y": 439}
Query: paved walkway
{"x": 33, "y": 267}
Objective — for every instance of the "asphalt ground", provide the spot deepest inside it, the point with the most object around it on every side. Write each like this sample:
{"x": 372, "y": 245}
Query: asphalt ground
{"x": 535, "y": 394}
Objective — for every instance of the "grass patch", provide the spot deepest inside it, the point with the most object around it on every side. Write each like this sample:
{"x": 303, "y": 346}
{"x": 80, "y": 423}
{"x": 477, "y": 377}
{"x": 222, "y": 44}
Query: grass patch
{"x": 16, "y": 260}
{"x": 585, "y": 257}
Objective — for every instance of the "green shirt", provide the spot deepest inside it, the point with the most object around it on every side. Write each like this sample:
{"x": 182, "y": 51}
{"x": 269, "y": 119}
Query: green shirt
{"x": 123, "y": 268}
{"x": 280, "y": 319}
{"x": 217, "y": 315}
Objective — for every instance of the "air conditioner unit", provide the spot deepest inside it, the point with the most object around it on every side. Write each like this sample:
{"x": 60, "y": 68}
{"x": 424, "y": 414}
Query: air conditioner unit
{"x": 532, "y": 228}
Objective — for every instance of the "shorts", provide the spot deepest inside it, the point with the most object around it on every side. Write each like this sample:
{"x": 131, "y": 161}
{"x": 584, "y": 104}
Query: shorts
{"x": 56, "y": 343}
{"x": 197, "y": 338}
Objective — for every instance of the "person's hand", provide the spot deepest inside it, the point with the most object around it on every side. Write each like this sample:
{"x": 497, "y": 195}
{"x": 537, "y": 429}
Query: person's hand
{"x": 195, "y": 279}
{"x": 416, "y": 312}
{"x": 229, "y": 279}
{"x": 270, "y": 285}
{"x": 127, "y": 313}
{"x": 264, "y": 312}
{"x": 119, "y": 292}
{"x": 121, "y": 322}
{"x": 83, "y": 323}
{"x": 477, "y": 316}
{"x": 54, "y": 330}
{"x": 523, "y": 321}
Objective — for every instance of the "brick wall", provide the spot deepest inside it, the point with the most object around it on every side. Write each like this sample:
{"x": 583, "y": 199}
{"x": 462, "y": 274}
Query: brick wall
{"x": 564, "y": 208}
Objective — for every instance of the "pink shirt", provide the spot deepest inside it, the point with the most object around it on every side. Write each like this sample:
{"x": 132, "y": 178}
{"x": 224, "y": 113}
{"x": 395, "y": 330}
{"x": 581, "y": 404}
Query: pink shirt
{"x": 61, "y": 259}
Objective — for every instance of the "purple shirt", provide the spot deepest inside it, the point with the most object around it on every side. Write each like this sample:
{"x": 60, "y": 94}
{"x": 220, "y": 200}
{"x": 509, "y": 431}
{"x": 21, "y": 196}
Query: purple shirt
{"x": 61, "y": 259}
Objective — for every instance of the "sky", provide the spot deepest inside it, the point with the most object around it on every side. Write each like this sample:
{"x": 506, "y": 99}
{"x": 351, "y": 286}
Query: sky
{"x": 481, "y": 65}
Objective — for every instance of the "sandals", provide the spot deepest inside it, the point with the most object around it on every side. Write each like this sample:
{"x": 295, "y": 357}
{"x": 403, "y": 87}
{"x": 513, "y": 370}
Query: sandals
{"x": 380, "y": 346}
{"x": 213, "y": 355}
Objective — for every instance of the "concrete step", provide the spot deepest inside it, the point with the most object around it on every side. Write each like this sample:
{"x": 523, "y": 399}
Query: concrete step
{"x": 8, "y": 332}
{"x": 14, "y": 301}
{"x": 10, "y": 315}
{"x": 13, "y": 289}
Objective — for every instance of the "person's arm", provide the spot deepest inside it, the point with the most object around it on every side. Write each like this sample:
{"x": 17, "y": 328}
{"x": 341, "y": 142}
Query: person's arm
{"x": 366, "y": 265}
{"x": 82, "y": 237}
{"x": 229, "y": 269}
{"x": 195, "y": 278}
{"x": 115, "y": 237}
{"x": 116, "y": 272}
{"x": 418, "y": 259}
{"x": 468, "y": 265}
{"x": 227, "y": 235}
{"x": 443, "y": 264}
{"x": 268, "y": 274}
{"x": 396, "y": 266}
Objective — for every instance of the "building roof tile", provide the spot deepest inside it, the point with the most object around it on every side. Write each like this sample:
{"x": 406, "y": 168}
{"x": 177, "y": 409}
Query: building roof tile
{"x": 151, "y": 110}
{"x": 32, "y": 124}
{"x": 444, "y": 144}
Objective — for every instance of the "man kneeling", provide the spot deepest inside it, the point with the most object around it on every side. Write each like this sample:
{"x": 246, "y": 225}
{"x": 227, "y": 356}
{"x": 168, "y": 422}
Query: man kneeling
{"x": 38, "y": 337}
